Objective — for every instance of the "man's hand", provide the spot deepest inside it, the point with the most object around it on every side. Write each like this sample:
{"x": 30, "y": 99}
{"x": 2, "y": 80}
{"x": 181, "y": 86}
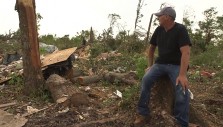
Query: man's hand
{"x": 147, "y": 69}
{"x": 183, "y": 81}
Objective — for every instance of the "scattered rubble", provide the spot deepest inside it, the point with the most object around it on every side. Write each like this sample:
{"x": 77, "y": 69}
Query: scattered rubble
{"x": 58, "y": 62}
{"x": 105, "y": 56}
{"x": 10, "y": 57}
{"x": 81, "y": 99}
{"x": 10, "y": 120}
{"x": 48, "y": 48}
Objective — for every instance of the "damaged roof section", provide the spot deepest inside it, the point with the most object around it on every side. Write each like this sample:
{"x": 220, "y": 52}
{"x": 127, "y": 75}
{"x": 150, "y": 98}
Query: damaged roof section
{"x": 47, "y": 61}
{"x": 57, "y": 57}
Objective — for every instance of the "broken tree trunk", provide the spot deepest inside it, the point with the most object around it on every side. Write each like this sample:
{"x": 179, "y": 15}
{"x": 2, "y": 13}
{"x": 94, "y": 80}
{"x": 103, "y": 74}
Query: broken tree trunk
{"x": 30, "y": 46}
{"x": 163, "y": 96}
{"x": 63, "y": 91}
{"x": 127, "y": 78}
{"x": 112, "y": 77}
{"x": 77, "y": 72}
{"x": 73, "y": 73}
{"x": 91, "y": 40}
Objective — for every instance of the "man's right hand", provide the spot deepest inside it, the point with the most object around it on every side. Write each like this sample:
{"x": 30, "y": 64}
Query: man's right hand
{"x": 147, "y": 69}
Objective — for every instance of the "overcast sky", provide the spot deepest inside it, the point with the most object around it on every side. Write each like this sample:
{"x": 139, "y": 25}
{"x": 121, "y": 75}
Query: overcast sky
{"x": 63, "y": 17}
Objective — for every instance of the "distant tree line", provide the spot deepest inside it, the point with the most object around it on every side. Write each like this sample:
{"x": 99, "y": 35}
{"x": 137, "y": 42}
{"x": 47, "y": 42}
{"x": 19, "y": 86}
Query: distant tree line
{"x": 210, "y": 32}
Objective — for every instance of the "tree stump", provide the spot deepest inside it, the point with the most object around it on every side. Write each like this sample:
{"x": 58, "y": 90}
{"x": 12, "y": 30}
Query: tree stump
{"x": 163, "y": 96}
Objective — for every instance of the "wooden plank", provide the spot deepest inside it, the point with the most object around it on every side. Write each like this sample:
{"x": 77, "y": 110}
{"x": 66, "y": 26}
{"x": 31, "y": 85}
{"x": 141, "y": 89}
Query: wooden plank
{"x": 58, "y": 56}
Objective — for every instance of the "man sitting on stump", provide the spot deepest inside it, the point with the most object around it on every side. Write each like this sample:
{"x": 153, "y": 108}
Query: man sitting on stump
{"x": 173, "y": 43}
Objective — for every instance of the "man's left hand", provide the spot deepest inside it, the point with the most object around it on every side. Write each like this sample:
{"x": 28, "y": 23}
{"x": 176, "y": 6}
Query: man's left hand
{"x": 183, "y": 81}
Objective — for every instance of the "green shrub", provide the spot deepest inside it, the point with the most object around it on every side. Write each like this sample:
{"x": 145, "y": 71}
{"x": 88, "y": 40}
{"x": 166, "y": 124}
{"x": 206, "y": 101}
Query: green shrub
{"x": 48, "y": 39}
{"x": 112, "y": 43}
{"x": 130, "y": 95}
{"x": 141, "y": 65}
{"x": 42, "y": 51}
{"x": 132, "y": 45}
{"x": 11, "y": 46}
{"x": 17, "y": 80}
{"x": 220, "y": 76}
{"x": 42, "y": 96}
{"x": 210, "y": 58}
{"x": 97, "y": 49}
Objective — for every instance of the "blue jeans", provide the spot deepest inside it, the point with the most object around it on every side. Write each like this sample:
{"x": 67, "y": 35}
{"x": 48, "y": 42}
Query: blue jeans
{"x": 181, "y": 105}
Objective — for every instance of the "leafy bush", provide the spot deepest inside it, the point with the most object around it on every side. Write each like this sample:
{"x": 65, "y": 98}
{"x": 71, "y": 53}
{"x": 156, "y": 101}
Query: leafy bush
{"x": 48, "y": 39}
{"x": 212, "y": 57}
{"x": 97, "y": 49}
{"x": 9, "y": 46}
{"x": 220, "y": 76}
{"x": 130, "y": 95}
{"x": 112, "y": 43}
{"x": 42, "y": 51}
{"x": 141, "y": 64}
{"x": 132, "y": 44}
{"x": 16, "y": 80}
{"x": 61, "y": 42}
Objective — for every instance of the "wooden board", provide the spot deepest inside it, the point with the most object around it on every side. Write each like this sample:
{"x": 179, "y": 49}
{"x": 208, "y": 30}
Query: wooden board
{"x": 58, "y": 56}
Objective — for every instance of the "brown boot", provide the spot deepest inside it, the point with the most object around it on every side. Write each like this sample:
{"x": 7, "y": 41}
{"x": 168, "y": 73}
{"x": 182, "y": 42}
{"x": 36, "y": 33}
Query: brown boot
{"x": 141, "y": 121}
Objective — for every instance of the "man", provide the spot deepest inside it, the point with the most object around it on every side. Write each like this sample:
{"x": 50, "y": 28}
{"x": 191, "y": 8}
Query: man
{"x": 173, "y": 45}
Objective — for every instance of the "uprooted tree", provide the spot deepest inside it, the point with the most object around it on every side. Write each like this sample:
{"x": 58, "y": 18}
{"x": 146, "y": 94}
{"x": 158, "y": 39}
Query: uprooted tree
{"x": 33, "y": 78}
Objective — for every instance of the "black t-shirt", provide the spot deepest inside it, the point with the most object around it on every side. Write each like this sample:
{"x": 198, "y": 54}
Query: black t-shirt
{"x": 169, "y": 43}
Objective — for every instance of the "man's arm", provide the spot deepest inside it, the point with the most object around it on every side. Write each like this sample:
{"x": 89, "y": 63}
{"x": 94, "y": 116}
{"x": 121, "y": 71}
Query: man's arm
{"x": 151, "y": 52}
{"x": 152, "y": 49}
{"x": 182, "y": 78}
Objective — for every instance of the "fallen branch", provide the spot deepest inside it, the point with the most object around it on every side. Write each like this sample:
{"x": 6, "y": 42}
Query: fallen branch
{"x": 5, "y": 80}
{"x": 214, "y": 102}
{"x": 127, "y": 78}
{"x": 39, "y": 110}
{"x": 84, "y": 80}
{"x": 7, "y": 105}
{"x": 102, "y": 121}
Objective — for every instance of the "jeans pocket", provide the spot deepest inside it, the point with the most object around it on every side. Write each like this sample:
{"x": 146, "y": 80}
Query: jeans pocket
{"x": 180, "y": 94}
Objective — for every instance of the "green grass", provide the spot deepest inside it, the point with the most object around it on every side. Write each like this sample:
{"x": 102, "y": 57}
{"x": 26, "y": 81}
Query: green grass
{"x": 141, "y": 64}
{"x": 210, "y": 58}
{"x": 129, "y": 95}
